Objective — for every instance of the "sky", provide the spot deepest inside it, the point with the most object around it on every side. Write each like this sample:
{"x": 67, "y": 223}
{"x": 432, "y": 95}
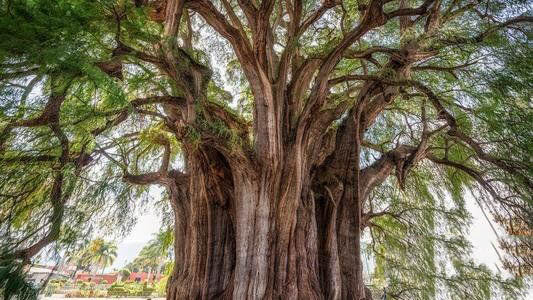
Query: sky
{"x": 128, "y": 247}
{"x": 482, "y": 237}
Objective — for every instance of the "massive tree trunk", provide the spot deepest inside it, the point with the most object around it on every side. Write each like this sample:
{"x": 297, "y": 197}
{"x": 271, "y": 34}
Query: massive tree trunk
{"x": 248, "y": 232}
{"x": 282, "y": 230}
{"x": 254, "y": 244}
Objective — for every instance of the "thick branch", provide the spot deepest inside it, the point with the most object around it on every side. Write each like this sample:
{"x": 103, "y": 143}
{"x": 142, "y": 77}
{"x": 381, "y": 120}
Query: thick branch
{"x": 50, "y": 113}
{"x": 57, "y": 199}
{"x": 145, "y": 178}
{"x": 317, "y": 14}
{"x": 122, "y": 114}
{"x": 55, "y": 220}
{"x": 174, "y": 9}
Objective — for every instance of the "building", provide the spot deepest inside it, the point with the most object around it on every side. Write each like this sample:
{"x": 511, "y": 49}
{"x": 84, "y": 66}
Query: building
{"x": 113, "y": 277}
{"x": 144, "y": 276}
{"x": 97, "y": 278}
{"x": 38, "y": 274}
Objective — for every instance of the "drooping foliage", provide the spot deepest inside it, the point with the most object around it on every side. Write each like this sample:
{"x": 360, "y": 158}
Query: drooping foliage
{"x": 13, "y": 281}
{"x": 100, "y": 99}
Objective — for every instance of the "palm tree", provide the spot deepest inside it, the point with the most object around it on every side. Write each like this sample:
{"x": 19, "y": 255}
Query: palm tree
{"x": 155, "y": 253}
{"x": 101, "y": 253}
{"x": 80, "y": 259}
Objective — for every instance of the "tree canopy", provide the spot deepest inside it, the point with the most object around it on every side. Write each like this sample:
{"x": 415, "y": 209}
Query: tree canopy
{"x": 397, "y": 110}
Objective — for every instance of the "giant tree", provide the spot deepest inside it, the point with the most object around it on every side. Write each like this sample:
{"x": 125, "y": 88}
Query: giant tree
{"x": 283, "y": 132}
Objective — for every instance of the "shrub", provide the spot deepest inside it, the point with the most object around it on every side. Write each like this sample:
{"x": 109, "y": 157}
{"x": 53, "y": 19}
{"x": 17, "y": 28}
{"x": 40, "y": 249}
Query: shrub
{"x": 161, "y": 286}
{"x": 52, "y": 288}
{"x": 117, "y": 290}
{"x": 147, "y": 291}
{"x": 135, "y": 289}
{"x": 130, "y": 289}
{"x": 86, "y": 294}
{"x": 83, "y": 285}
{"x": 54, "y": 285}
{"x": 73, "y": 294}
{"x": 57, "y": 280}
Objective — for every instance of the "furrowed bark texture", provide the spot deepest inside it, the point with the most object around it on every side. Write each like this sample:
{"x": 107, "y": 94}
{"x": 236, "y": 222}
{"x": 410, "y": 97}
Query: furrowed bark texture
{"x": 245, "y": 231}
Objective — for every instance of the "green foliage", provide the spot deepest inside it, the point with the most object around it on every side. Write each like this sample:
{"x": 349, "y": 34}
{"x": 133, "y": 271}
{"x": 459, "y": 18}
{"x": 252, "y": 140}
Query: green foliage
{"x": 425, "y": 231}
{"x": 55, "y": 32}
{"x": 161, "y": 286}
{"x": 52, "y": 288}
{"x": 130, "y": 289}
{"x": 14, "y": 283}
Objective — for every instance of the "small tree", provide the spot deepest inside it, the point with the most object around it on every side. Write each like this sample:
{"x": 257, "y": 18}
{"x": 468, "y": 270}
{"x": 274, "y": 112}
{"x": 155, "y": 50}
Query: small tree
{"x": 125, "y": 274}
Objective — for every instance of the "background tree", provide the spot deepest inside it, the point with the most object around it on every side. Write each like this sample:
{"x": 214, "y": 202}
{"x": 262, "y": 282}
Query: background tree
{"x": 125, "y": 274}
{"x": 155, "y": 254}
{"x": 343, "y": 120}
{"x": 101, "y": 253}
{"x": 97, "y": 253}
{"x": 80, "y": 259}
